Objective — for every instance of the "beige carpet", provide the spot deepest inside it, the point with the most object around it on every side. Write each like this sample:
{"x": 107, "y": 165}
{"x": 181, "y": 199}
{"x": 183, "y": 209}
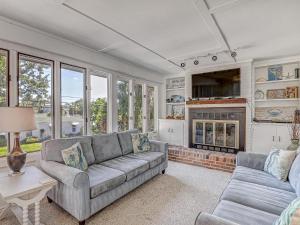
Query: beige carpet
{"x": 171, "y": 199}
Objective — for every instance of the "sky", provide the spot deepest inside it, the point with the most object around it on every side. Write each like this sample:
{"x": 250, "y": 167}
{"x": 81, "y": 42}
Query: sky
{"x": 72, "y": 86}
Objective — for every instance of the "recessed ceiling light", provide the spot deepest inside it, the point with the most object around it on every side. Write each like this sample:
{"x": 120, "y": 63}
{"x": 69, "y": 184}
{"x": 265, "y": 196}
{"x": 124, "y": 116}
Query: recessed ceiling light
{"x": 214, "y": 58}
{"x": 196, "y": 62}
{"x": 182, "y": 64}
{"x": 233, "y": 54}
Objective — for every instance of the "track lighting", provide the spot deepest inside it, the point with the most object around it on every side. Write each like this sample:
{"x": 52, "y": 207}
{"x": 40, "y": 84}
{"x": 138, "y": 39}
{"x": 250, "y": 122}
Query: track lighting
{"x": 214, "y": 58}
{"x": 196, "y": 62}
{"x": 233, "y": 54}
{"x": 182, "y": 65}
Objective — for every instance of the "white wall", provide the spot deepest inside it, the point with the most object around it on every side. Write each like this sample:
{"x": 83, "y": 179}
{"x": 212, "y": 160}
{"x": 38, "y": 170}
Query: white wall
{"x": 32, "y": 40}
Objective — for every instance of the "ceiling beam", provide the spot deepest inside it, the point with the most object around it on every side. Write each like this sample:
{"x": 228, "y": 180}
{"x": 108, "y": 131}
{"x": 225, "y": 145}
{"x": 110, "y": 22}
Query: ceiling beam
{"x": 121, "y": 34}
{"x": 224, "y": 5}
{"x": 212, "y": 24}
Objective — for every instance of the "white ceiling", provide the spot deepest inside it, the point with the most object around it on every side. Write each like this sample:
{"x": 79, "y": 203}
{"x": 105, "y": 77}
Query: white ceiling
{"x": 159, "y": 34}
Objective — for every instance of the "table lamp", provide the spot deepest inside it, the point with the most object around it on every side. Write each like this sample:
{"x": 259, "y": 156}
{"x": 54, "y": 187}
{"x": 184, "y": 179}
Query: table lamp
{"x": 16, "y": 119}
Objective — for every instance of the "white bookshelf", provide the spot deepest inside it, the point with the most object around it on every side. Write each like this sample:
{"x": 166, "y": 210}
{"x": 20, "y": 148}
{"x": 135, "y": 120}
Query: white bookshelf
{"x": 269, "y": 108}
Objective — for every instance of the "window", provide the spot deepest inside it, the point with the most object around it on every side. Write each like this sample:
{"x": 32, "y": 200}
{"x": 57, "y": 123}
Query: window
{"x": 98, "y": 104}
{"x": 72, "y": 100}
{"x": 138, "y": 107}
{"x": 123, "y": 105}
{"x": 35, "y": 90}
{"x": 3, "y": 96}
{"x": 150, "y": 108}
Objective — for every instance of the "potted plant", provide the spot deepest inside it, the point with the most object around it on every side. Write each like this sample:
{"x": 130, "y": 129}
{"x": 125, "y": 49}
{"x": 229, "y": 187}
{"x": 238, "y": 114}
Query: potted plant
{"x": 294, "y": 129}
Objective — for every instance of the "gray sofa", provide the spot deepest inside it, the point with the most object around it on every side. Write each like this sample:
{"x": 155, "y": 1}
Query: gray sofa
{"x": 252, "y": 196}
{"x": 113, "y": 171}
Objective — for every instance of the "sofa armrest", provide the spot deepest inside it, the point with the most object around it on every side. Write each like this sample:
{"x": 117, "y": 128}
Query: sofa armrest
{"x": 159, "y": 146}
{"x": 251, "y": 160}
{"x": 67, "y": 175}
{"x": 208, "y": 219}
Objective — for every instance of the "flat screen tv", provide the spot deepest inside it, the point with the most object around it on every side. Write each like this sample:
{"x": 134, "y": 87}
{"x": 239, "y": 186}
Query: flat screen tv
{"x": 217, "y": 84}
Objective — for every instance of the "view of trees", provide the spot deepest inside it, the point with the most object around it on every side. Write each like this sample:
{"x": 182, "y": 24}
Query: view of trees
{"x": 3, "y": 79}
{"x": 138, "y": 104}
{"x": 99, "y": 116}
{"x": 34, "y": 85}
{"x": 123, "y": 105}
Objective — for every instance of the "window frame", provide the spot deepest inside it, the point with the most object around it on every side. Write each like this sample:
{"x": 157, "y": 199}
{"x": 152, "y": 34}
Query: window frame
{"x": 8, "y": 80}
{"x": 84, "y": 88}
{"x": 130, "y": 108}
{"x": 39, "y": 60}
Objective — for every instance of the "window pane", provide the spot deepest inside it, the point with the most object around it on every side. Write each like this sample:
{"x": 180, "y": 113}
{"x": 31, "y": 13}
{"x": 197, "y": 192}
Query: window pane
{"x": 3, "y": 96}
{"x": 138, "y": 104}
{"x": 3, "y": 78}
{"x": 98, "y": 104}
{"x": 72, "y": 105}
{"x": 123, "y": 105}
{"x": 35, "y": 85}
{"x": 150, "y": 111}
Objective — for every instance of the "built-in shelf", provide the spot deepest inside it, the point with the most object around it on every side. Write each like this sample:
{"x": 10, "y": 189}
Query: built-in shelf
{"x": 282, "y": 99}
{"x": 175, "y": 103}
{"x": 174, "y": 89}
{"x": 277, "y": 81}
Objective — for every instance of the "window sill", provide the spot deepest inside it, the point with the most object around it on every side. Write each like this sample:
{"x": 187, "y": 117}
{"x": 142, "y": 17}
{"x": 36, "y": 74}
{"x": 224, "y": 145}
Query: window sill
{"x": 31, "y": 159}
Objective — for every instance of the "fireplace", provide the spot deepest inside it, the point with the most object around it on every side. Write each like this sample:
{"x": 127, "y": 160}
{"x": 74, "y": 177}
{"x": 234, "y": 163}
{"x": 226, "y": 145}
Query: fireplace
{"x": 217, "y": 129}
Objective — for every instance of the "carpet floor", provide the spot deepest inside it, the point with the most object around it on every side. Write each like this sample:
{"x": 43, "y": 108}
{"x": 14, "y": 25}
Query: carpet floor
{"x": 175, "y": 198}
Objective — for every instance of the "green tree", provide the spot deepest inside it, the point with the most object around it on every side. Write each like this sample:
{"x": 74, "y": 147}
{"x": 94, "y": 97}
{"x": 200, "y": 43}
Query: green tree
{"x": 3, "y": 80}
{"x": 123, "y": 105}
{"x": 138, "y": 104}
{"x": 34, "y": 84}
{"x": 99, "y": 116}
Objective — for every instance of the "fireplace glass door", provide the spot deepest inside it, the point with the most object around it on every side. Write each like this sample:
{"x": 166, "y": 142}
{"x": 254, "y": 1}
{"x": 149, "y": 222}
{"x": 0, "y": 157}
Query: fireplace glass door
{"x": 199, "y": 131}
{"x": 220, "y": 133}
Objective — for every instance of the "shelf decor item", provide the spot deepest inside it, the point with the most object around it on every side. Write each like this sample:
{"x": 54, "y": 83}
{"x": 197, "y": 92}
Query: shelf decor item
{"x": 276, "y": 94}
{"x": 174, "y": 83}
{"x": 292, "y": 92}
{"x": 294, "y": 129}
{"x": 297, "y": 73}
{"x": 259, "y": 95}
{"x": 274, "y": 114}
{"x": 275, "y": 72}
{"x": 16, "y": 119}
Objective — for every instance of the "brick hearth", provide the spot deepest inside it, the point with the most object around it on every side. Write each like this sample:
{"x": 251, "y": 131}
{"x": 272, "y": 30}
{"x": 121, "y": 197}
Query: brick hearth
{"x": 209, "y": 159}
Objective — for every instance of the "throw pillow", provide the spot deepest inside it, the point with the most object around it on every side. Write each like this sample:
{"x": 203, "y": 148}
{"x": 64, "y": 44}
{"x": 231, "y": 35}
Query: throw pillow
{"x": 73, "y": 156}
{"x": 279, "y": 162}
{"x": 291, "y": 215}
{"x": 140, "y": 143}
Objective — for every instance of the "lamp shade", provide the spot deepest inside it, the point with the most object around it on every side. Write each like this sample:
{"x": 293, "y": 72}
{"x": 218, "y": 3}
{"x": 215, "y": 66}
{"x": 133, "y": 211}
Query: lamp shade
{"x": 16, "y": 119}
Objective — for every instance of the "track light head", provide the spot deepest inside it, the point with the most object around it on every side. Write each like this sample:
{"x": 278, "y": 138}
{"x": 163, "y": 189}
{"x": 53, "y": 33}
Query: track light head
{"x": 233, "y": 54}
{"x": 182, "y": 65}
{"x": 196, "y": 62}
{"x": 214, "y": 58}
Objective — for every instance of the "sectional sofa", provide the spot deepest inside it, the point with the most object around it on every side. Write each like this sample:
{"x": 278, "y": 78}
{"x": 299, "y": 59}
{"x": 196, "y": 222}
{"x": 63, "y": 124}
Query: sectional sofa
{"x": 113, "y": 171}
{"x": 253, "y": 197}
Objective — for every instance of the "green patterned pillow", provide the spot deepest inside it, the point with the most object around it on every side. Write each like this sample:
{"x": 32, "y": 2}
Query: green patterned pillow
{"x": 291, "y": 215}
{"x": 279, "y": 162}
{"x": 73, "y": 156}
{"x": 140, "y": 143}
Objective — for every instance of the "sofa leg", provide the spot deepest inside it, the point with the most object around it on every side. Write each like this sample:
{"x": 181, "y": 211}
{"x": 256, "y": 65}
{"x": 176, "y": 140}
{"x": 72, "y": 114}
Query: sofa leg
{"x": 163, "y": 172}
{"x": 49, "y": 200}
{"x": 81, "y": 222}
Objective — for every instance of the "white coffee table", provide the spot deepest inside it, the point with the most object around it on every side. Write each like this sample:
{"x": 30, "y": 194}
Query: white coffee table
{"x": 20, "y": 191}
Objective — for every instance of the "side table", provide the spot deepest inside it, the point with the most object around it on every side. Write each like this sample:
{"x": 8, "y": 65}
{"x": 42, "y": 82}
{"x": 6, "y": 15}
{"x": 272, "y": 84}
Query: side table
{"x": 21, "y": 191}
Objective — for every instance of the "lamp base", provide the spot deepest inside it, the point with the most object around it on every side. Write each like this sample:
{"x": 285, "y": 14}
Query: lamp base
{"x": 16, "y": 158}
{"x": 15, "y": 174}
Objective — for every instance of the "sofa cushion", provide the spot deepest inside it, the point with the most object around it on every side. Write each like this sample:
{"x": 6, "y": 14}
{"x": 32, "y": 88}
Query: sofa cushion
{"x": 260, "y": 177}
{"x": 104, "y": 179}
{"x": 73, "y": 156}
{"x": 154, "y": 158}
{"x": 257, "y": 196}
{"x": 241, "y": 214}
{"x": 131, "y": 167}
{"x": 52, "y": 149}
{"x": 294, "y": 175}
{"x": 279, "y": 163}
{"x": 126, "y": 141}
{"x": 106, "y": 147}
